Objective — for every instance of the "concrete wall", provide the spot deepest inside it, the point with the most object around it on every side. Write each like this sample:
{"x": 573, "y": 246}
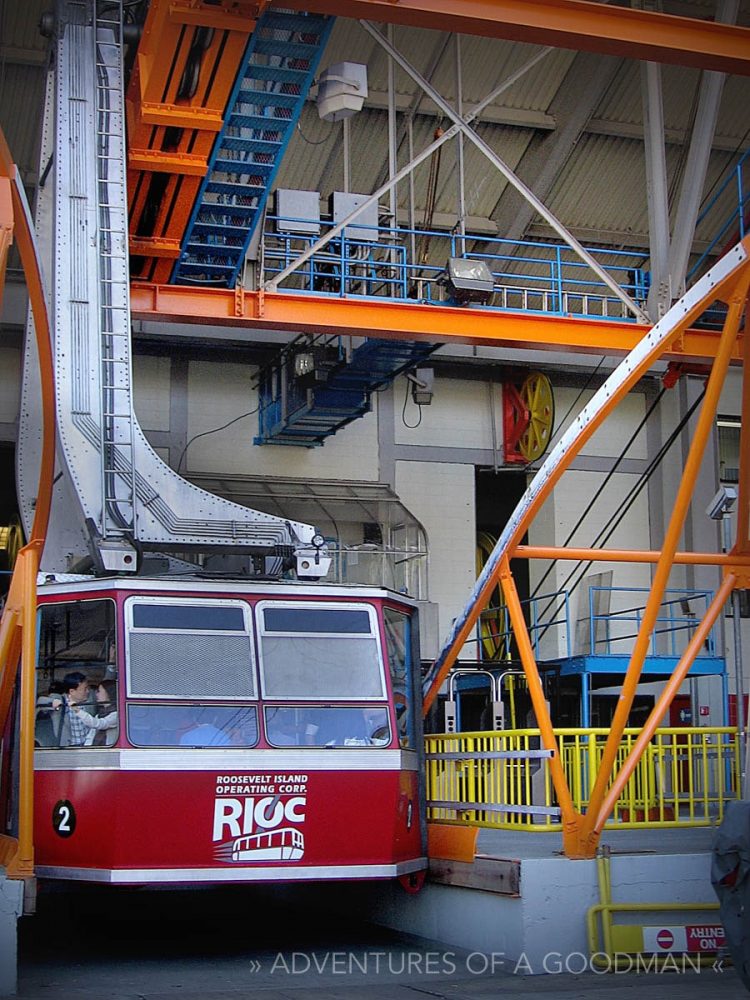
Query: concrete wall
{"x": 545, "y": 927}
{"x": 11, "y": 907}
{"x": 183, "y": 404}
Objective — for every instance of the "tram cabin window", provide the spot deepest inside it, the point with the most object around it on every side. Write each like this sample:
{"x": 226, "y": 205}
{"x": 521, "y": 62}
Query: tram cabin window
{"x": 398, "y": 638}
{"x": 170, "y": 725}
{"x": 327, "y": 726}
{"x": 320, "y": 652}
{"x": 184, "y": 648}
{"x": 77, "y": 676}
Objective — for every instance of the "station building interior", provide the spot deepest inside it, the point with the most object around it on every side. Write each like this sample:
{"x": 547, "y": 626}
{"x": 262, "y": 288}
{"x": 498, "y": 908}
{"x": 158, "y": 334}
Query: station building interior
{"x": 531, "y": 204}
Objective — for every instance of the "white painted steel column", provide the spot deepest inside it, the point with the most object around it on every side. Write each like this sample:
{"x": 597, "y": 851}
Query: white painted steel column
{"x": 659, "y": 295}
{"x": 461, "y": 223}
{"x": 711, "y": 87}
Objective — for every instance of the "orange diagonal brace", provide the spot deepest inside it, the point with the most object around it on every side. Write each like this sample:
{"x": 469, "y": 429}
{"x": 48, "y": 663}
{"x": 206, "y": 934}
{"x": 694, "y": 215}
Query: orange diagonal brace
{"x": 681, "y": 505}
{"x": 663, "y": 702}
{"x": 570, "y": 818}
{"x": 568, "y": 24}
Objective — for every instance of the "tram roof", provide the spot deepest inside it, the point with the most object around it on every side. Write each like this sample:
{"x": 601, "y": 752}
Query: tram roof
{"x": 74, "y": 583}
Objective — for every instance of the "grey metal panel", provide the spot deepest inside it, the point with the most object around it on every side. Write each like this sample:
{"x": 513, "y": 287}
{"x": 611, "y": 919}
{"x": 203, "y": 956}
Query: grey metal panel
{"x": 238, "y": 761}
{"x": 286, "y": 873}
{"x": 124, "y": 490}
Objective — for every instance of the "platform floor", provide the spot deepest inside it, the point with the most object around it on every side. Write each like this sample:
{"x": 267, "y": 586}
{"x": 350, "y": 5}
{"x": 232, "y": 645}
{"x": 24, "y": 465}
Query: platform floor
{"x": 222, "y": 944}
{"x": 520, "y": 845}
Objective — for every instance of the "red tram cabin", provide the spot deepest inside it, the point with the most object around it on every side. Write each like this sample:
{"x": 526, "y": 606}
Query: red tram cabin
{"x": 192, "y": 731}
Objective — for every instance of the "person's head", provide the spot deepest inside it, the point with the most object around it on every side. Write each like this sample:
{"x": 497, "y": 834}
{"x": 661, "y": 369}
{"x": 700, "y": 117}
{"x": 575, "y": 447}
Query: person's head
{"x": 75, "y": 686}
{"x": 105, "y": 693}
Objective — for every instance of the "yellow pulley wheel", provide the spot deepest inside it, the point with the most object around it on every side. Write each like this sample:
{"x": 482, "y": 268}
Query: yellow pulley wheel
{"x": 494, "y": 627}
{"x": 11, "y": 541}
{"x": 536, "y": 393}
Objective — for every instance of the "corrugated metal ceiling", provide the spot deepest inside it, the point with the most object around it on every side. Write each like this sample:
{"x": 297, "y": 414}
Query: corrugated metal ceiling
{"x": 600, "y": 183}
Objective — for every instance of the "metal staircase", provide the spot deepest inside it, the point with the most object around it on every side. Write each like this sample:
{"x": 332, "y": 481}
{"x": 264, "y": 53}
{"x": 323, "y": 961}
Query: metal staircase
{"x": 276, "y": 74}
{"x": 293, "y": 412}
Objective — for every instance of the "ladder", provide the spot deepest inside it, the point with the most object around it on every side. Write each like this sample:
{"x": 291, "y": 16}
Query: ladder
{"x": 116, "y": 425}
{"x": 280, "y": 61}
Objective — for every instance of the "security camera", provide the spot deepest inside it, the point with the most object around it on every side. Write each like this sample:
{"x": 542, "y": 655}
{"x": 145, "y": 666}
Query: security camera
{"x": 722, "y": 503}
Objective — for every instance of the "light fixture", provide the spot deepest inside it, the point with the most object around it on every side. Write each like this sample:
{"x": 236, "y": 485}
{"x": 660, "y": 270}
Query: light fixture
{"x": 469, "y": 280}
{"x": 342, "y": 89}
{"x": 311, "y": 365}
{"x": 722, "y": 503}
{"x": 422, "y": 385}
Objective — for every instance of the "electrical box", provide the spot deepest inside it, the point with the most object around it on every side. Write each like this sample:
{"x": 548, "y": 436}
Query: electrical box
{"x": 343, "y": 203}
{"x": 298, "y": 212}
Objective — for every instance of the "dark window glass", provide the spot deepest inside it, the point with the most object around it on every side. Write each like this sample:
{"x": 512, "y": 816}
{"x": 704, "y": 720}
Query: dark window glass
{"x": 316, "y": 620}
{"x": 330, "y": 727}
{"x": 76, "y": 702}
{"x": 195, "y": 617}
{"x": 398, "y": 647}
{"x": 192, "y": 725}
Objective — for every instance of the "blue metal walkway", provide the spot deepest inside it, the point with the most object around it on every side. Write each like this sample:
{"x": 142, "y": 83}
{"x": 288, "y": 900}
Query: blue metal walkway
{"x": 292, "y": 412}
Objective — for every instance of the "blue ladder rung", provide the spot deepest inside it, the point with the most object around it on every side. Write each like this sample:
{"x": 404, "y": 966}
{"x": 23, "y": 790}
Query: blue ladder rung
{"x": 304, "y": 23}
{"x": 249, "y": 145}
{"x": 263, "y": 123}
{"x": 289, "y": 50}
{"x": 236, "y": 190}
{"x": 222, "y": 250}
{"x": 218, "y": 212}
{"x": 232, "y": 166}
{"x": 266, "y": 99}
{"x": 276, "y": 74}
{"x": 217, "y": 229}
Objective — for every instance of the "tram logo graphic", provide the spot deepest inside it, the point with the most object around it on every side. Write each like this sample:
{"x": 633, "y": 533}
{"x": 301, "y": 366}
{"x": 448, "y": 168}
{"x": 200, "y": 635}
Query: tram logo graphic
{"x": 286, "y": 844}
{"x": 259, "y": 828}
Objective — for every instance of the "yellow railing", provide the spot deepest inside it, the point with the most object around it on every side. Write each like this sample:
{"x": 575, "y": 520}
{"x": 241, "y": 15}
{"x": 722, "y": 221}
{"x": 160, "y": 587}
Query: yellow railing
{"x": 501, "y": 779}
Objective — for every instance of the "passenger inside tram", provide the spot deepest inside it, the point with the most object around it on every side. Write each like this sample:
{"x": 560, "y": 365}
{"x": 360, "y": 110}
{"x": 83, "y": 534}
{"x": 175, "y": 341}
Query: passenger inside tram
{"x": 63, "y": 719}
{"x": 327, "y": 726}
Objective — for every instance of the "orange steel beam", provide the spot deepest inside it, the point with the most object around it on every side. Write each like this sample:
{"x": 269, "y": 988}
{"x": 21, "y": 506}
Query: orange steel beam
{"x": 318, "y": 314}
{"x": 567, "y": 24}
{"x": 18, "y": 621}
{"x": 6, "y": 228}
{"x": 664, "y": 700}
{"x": 630, "y": 555}
{"x": 681, "y": 505}
{"x": 170, "y": 137}
{"x": 742, "y": 540}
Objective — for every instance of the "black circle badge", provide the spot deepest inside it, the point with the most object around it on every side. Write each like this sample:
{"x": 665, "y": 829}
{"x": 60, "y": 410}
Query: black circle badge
{"x": 64, "y": 818}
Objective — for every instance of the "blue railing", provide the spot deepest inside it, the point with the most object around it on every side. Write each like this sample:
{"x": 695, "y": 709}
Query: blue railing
{"x": 548, "y": 622}
{"x": 680, "y": 613}
{"x": 610, "y": 632}
{"x": 528, "y": 276}
{"x": 735, "y": 226}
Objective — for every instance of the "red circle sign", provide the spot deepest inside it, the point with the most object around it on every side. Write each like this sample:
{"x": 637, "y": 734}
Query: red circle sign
{"x": 665, "y": 939}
